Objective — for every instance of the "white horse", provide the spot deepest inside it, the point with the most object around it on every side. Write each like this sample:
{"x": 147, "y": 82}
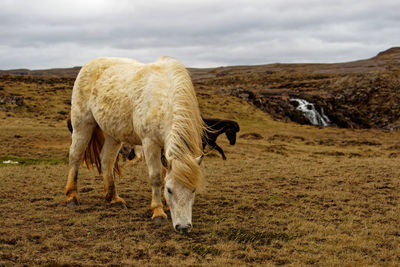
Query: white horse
{"x": 117, "y": 100}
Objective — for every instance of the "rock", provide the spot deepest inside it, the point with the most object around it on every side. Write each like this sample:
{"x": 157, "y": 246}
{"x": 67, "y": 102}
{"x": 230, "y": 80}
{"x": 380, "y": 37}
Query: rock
{"x": 12, "y": 99}
{"x": 251, "y": 136}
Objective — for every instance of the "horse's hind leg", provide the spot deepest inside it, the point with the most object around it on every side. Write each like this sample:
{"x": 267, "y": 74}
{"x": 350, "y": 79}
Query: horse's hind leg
{"x": 80, "y": 140}
{"x": 108, "y": 156}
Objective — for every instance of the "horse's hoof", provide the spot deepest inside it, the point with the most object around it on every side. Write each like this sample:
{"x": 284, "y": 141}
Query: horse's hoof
{"x": 159, "y": 220}
{"x": 73, "y": 203}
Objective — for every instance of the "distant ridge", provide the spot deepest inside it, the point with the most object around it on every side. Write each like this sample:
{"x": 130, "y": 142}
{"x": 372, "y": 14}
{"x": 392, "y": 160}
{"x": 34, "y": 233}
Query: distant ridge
{"x": 386, "y": 59}
{"x": 394, "y": 51}
{"x": 55, "y": 73}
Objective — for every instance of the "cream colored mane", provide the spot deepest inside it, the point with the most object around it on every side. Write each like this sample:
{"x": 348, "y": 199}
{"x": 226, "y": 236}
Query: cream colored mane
{"x": 184, "y": 140}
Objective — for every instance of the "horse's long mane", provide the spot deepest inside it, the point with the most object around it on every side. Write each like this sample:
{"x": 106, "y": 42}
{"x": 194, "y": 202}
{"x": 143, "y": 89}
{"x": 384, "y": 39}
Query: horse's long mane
{"x": 184, "y": 140}
{"x": 215, "y": 124}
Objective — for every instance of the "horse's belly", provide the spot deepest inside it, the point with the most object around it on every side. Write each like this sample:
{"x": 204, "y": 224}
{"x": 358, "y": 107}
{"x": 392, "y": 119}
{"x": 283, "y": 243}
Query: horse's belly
{"x": 125, "y": 134}
{"x": 117, "y": 123}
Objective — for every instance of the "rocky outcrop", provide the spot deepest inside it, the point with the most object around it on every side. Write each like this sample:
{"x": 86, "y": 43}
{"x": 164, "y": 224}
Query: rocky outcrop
{"x": 373, "y": 106}
{"x": 361, "y": 94}
{"x": 12, "y": 99}
{"x": 279, "y": 107}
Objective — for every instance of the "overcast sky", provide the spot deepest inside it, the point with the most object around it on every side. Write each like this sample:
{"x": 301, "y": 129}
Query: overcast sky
{"x": 39, "y": 34}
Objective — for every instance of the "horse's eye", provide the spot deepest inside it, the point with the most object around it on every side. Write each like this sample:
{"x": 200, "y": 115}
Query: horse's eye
{"x": 169, "y": 191}
{"x": 194, "y": 191}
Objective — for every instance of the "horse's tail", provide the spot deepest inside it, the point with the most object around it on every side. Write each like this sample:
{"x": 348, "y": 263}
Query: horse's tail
{"x": 92, "y": 152}
{"x": 69, "y": 124}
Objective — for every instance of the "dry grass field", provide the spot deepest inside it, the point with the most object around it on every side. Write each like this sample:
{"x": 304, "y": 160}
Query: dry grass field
{"x": 287, "y": 194}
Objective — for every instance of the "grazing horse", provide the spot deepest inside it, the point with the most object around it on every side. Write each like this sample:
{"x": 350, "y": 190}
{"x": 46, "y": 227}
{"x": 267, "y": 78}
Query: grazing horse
{"x": 215, "y": 127}
{"x": 117, "y": 100}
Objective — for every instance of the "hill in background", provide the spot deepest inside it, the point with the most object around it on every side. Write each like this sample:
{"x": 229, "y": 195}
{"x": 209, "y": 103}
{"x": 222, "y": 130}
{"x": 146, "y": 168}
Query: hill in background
{"x": 359, "y": 94}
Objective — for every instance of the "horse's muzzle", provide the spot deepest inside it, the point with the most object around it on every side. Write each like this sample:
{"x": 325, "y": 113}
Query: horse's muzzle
{"x": 183, "y": 228}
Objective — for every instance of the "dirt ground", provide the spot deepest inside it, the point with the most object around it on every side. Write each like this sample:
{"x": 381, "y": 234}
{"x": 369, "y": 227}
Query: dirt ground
{"x": 287, "y": 195}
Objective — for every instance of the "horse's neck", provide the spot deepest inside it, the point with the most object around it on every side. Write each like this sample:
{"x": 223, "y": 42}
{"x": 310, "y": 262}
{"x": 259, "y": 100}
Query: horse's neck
{"x": 224, "y": 126}
{"x": 223, "y": 129}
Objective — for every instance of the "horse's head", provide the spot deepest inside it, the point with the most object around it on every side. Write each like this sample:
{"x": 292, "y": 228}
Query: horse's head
{"x": 231, "y": 133}
{"x": 180, "y": 190}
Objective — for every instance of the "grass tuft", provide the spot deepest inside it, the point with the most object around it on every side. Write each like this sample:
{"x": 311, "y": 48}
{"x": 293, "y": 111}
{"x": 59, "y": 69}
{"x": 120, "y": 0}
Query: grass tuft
{"x": 244, "y": 236}
{"x": 203, "y": 250}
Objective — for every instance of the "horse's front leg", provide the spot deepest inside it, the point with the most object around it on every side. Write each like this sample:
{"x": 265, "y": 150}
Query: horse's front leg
{"x": 152, "y": 155}
{"x": 163, "y": 174}
{"x": 219, "y": 149}
{"x": 156, "y": 203}
{"x": 108, "y": 157}
{"x": 214, "y": 145}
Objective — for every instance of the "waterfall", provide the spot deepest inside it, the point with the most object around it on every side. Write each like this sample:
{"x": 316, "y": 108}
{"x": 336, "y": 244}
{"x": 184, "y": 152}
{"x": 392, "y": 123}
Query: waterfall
{"x": 311, "y": 113}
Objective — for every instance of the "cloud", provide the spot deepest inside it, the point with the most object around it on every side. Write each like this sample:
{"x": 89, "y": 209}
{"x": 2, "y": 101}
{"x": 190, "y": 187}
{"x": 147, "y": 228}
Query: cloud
{"x": 44, "y": 33}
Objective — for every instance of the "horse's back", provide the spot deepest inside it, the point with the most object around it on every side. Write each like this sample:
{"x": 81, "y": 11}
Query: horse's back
{"x": 92, "y": 73}
{"x": 124, "y": 95}
{"x": 114, "y": 73}
{"x": 98, "y": 68}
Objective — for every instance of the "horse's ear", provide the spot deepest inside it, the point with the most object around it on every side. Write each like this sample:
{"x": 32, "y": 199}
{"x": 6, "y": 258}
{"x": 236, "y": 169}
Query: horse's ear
{"x": 164, "y": 162}
{"x": 199, "y": 159}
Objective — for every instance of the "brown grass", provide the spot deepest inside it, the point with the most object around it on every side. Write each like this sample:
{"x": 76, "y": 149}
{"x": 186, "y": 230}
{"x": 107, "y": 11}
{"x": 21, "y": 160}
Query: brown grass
{"x": 298, "y": 196}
